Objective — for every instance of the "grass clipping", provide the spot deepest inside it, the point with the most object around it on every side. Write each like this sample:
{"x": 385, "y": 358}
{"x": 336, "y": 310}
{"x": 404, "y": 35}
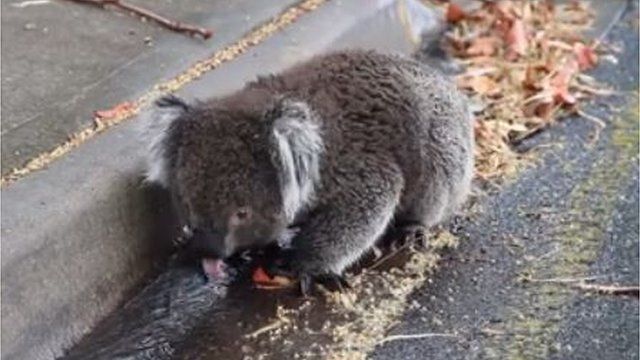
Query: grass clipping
{"x": 523, "y": 66}
{"x": 378, "y": 299}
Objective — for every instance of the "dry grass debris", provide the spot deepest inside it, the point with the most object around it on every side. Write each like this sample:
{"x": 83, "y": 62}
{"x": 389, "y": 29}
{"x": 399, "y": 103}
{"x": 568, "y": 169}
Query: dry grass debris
{"x": 377, "y": 299}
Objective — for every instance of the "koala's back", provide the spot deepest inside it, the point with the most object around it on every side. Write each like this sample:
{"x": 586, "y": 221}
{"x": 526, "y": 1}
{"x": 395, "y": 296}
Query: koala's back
{"x": 393, "y": 109}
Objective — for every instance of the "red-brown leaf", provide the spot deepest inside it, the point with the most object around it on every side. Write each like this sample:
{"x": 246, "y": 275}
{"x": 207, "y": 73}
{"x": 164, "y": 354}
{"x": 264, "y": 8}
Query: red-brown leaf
{"x": 118, "y": 110}
{"x": 455, "y": 13}
{"x": 262, "y": 280}
{"x": 505, "y": 9}
{"x": 560, "y": 81}
{"x": 483, "y": 85}
{"x": 585, "y": 55}
{"x": 516, "y": 39}
{"x": 482, "y": 46}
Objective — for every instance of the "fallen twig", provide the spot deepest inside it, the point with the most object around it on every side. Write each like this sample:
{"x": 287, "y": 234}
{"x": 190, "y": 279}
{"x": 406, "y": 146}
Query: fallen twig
{"x": 529, "y": 134}
{"x": 493, "y": 332}
{"x": 388, "y": 256}
{"x": 580, "y": 283}
{"x": 274, "y": 325}
{"x": 564, "y": 280}
{"x": 610, "y": 289}
{"x": 169, "y": 24}
{"x": 600, "y": 124}
{"x": 416, "y": 336}
{"x": 595, "y": 91}
{"x": 549, "y": 253}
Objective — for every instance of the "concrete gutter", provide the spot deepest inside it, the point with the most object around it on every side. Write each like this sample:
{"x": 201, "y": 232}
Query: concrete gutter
{"x": 79, "y": 235}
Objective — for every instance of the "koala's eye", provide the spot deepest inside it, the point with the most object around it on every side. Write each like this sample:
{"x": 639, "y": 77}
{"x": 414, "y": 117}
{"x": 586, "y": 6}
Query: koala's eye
{"x": 243, "y": 214}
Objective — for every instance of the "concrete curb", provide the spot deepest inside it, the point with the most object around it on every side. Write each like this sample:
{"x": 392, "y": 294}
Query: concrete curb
{"x": 80, "y": 234}
{"x": 73, "y": 71}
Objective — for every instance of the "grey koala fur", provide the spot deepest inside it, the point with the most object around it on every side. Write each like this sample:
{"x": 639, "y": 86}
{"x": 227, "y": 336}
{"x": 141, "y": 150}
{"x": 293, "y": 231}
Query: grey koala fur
{"x": 343, "y": 146}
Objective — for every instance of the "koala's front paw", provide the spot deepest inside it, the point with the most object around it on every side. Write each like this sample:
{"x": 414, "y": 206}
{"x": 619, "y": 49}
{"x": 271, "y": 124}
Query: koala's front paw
{"x": 279, "y": 263}
{"x": 284, "y": 264}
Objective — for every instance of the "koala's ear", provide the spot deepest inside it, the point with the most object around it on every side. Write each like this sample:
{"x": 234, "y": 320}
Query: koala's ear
{"x": 298, "y": 146}
{"x": 155, "y": 133}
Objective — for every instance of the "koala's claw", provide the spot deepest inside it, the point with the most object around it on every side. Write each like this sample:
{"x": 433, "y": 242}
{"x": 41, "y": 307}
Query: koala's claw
{"x": 414, "y": 234}
{"x": 330, "y": 281}
{"x": 333, "y": 282}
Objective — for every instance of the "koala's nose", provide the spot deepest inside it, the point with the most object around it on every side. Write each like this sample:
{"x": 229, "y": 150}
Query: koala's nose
{"x": 208, "y": 243}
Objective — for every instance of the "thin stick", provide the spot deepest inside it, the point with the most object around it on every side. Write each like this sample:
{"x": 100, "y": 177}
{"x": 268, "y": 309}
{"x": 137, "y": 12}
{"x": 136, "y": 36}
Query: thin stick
{"x": 610, "y": 289}
{"x": 600, "y": 124}
{"x": 581, "y": 284}
{"x": 593, "y": 118}
{"x": 607, "y": 30}
{"x": 529, "y": 134}
{"x": 274, "y": 325}
{"x": 415, "y": 336}
{"x": 388, "y": 256}
{"x": 565, "y": 280}
{"x": 492, "y": 332}
{"x": 169, "y": 24}
{"x": 549, "y": 253}
{"x": 595, "y": 91}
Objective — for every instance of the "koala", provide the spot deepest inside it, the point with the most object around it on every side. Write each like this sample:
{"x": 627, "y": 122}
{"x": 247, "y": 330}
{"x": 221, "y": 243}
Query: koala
{"x": 343, "y": 147}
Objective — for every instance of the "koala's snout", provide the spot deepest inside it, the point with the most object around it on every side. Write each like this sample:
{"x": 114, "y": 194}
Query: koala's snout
{"x": 210, "y": 243}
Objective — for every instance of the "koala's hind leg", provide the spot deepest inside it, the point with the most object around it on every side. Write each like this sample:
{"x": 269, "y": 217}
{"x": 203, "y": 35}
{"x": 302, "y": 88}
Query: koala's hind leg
{"x": 337, "y": 234}
{"x": 418, "y": 213}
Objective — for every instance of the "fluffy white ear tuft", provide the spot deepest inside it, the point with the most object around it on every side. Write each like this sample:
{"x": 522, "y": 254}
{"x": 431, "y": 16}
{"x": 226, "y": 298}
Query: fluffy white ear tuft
{"x": 299, "y": 145}
{"x": 155, "y": 131}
